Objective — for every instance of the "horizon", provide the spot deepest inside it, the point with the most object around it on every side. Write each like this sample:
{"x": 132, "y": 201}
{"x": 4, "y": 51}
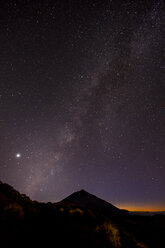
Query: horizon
{"x": 141, "y": 208}
{"x": 123, "y": 206}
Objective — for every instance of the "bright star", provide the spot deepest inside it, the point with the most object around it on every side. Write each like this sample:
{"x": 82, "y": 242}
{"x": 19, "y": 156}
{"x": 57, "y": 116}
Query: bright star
{"x": 18, "y": 155}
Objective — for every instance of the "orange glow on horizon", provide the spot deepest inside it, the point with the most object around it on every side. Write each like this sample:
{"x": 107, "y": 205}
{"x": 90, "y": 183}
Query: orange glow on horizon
{"x": 131, "y": 207}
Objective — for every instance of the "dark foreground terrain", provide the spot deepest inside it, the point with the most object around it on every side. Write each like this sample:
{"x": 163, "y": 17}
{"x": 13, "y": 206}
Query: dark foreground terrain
{"x": 80, "y": 220}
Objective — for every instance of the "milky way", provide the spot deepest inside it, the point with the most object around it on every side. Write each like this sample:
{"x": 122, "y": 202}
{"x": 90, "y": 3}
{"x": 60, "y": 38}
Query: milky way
{"x": 82, "y": 99}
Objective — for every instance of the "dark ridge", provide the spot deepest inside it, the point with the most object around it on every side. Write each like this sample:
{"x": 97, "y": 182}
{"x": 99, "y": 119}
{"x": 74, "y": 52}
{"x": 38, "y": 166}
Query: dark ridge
{"x": 80, "y": 220}
{"x": 8, "y": 193}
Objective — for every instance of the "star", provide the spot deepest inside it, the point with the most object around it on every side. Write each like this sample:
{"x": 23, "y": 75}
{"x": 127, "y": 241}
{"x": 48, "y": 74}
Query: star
{"x": 18, "y": 155}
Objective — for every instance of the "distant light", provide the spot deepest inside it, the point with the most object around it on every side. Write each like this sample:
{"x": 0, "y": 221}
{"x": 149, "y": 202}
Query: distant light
{"x": 18, "y": 155}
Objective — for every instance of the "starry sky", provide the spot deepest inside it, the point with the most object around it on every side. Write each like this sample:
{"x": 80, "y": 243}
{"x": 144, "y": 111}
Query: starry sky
{"x": 82, "y": 99}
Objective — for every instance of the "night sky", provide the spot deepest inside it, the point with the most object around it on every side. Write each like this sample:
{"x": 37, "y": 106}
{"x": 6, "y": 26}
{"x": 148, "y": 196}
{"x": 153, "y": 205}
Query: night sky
{"x": 82, "y": 99}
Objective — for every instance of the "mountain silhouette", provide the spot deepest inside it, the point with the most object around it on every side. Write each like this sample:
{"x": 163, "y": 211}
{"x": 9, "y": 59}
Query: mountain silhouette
{"x": 80, "y": 220}
{"x": 85, "y": 200}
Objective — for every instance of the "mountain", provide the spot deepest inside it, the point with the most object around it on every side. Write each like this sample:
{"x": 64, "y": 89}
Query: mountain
{"x": 80, "y": 220}
{"x": 85, "y": 200}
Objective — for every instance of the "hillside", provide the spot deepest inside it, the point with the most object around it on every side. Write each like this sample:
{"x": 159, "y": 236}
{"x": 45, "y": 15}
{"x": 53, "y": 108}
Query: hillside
{"x": 80, "y": 220}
